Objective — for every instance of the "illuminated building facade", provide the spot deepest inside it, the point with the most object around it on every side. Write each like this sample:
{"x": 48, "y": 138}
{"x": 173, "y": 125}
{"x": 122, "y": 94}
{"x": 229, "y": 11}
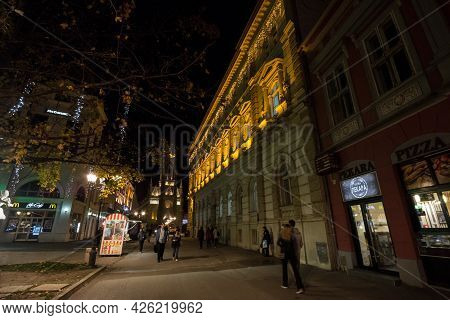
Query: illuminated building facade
{"x": 252, "y": 158}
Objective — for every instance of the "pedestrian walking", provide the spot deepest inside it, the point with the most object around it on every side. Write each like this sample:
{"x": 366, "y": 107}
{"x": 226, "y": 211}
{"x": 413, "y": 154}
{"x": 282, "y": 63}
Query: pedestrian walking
{"x": 141, "y": 237}
{"x": 162, "y": 234}
{"x": 265, "y": 242}
{"x": 176, "y": 243}
{"x": 286, "y": 242}
{"x": 208, "y": 237}
{"x": 215, "y": 237}
{"x": 201, "y": 237}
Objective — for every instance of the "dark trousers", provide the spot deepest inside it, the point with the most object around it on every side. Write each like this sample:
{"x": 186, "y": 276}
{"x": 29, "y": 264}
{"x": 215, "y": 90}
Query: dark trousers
{"x": 208, "y": 243}
{"x": 175, "y": 252}
{"x": 161, "y": 247}
{"x": 216, "y": 241}
{"x": 295, "y": 267}
{"x": 201, "y": 243}
{"x": 265, "y": 252}
{"x": 141, "y": 245}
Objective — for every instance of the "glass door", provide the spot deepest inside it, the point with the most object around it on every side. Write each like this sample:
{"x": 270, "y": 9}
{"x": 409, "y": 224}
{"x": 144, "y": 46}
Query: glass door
{"x": 373, "y": 236}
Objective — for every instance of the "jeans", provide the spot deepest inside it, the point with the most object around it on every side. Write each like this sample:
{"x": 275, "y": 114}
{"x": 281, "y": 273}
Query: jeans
{"x": 175, "y": 252}
{"x": 141, "y": 245}
{"x": 161, "y": 247}
{"x": 295, "y": 267}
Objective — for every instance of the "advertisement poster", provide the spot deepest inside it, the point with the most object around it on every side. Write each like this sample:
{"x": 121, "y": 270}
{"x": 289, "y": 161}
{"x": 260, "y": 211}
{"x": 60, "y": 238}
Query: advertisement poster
{"x": 113, "y": 235}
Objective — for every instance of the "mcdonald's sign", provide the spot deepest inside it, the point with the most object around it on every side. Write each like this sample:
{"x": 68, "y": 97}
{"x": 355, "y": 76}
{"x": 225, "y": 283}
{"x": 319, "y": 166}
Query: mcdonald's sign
{"x": 34, "y": 205}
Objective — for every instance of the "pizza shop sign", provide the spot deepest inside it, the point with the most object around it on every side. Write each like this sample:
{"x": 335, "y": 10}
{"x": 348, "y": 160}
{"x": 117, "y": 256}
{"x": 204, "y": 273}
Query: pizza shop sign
{"x": 421, "y": 146}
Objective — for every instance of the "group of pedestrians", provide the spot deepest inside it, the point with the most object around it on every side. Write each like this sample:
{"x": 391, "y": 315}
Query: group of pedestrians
{"x": 212, "y": 237}
{"x": 161, "y": 238}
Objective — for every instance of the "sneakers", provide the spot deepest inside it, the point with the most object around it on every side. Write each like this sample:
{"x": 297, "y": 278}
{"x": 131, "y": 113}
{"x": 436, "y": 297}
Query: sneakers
{"x": 300, "y": 291}
{"x": 284, "y": 287}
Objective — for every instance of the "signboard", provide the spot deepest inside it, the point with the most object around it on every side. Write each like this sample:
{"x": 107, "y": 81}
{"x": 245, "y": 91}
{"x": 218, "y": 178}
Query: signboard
{"x": 421, "y": 146}
{"x": 360, "y": 187}
{"x": 327, "y": 163}
{"x": 34, "y": 205}
{"x": 116, "y": 225}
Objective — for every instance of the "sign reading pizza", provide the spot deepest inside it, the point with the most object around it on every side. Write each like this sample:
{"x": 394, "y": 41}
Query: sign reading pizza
{"x": 116, "y": 225}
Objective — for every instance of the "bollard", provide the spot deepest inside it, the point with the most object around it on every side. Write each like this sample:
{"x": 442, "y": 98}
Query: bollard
{"x": 92, "y": 257}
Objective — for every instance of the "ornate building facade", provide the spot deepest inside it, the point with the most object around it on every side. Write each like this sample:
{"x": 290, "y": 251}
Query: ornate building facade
{"x": 252, "y": 158}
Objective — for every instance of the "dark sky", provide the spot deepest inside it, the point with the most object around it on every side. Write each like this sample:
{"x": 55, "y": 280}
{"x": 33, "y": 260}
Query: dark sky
{"x": 230, "y": 17}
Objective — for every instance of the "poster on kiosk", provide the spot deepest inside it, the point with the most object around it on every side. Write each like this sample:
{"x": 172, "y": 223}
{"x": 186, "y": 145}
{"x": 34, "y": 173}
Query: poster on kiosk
{"x": 114, "y": 231}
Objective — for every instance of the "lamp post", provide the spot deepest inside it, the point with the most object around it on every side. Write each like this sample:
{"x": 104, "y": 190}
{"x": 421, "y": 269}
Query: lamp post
{"x": 92, "y": 179}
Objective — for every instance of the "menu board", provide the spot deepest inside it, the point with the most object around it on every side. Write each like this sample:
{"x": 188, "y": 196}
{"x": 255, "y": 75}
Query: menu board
{"x": 114, "y": 235}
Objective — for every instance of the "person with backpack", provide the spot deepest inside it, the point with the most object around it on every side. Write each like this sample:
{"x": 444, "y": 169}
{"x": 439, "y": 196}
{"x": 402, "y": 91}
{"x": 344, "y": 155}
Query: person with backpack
{"x": 286, "y": 242}
{"x": 141, "y": 238}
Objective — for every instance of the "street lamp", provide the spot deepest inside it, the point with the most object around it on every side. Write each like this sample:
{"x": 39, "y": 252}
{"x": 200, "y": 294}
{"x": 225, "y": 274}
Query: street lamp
{"x": 92, "y": 179}
{"x": 143, "y": 213}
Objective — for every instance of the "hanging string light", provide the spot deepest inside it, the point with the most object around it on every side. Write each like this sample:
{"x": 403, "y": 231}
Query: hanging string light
{"x": 78, "y": 108}
{"x": 21, "y": 101}
{"x": 15, "y": 179}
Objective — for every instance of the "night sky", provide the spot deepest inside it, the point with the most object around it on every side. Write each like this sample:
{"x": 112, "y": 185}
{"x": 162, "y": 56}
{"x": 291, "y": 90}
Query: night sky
{"x": 230, "y": 17}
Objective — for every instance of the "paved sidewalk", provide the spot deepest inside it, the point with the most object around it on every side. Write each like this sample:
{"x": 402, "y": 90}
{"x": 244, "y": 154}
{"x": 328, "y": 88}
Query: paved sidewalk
{"x": 230, "y": 273}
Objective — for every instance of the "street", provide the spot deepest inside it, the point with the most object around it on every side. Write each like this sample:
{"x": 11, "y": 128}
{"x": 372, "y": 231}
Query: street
{"x": 229, "y": 273}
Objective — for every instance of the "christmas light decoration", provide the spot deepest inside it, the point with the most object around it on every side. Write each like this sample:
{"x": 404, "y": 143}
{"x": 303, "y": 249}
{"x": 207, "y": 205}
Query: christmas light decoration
{"x": 15, "y": 179}
{"x": 21, "y": 102}
{"x": 79, "y": 107}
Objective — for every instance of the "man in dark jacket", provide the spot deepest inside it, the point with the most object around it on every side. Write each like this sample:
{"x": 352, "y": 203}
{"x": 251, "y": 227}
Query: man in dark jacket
{"x": 141, "y": 238}
{"x": 162, "y": 234}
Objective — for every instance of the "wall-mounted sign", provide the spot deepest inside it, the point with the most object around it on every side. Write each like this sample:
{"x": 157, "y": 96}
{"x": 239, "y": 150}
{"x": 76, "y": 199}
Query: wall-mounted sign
{"x": 356, "y": 168}
{"x": 59, "y": 113}
{"x": 421, "y": 146}
{"x": 34, "y": 205}
{"x": 327, "y": 163}
{"x": 360, "y": 187}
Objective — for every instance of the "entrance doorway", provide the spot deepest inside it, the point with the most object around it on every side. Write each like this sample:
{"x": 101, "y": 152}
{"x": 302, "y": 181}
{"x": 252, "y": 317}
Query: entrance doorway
{"x": 372, "y": 237}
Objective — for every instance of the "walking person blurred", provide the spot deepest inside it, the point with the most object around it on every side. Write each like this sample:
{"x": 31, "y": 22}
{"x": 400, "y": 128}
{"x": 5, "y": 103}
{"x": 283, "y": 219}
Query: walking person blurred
{"x": 265, "y": 243}
{"x": 286, "y": 242}
{"x": 141, "y": 237}
{"x": 162, "y": 234}
{"x": 201, "y": 237}
{"x": 215, "y": 237}
{"x": 208, "y": 237}
{"x": 176, "y": 243}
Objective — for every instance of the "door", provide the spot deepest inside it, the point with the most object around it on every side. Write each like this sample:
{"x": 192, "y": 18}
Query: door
{"x": 372, "y": 236}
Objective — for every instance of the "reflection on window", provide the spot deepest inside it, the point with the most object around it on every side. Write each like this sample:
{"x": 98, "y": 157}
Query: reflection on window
{"x": 275, "y": 97}
{"x": 388, "y": 58}
{"x": 429, "y": 211}
{"x": 417, "y": 175}
{"x": 339, "y": 96}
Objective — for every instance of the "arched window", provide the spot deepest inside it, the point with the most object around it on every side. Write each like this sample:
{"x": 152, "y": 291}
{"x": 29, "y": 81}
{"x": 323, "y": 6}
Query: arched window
{"x": 229, "y": 204}
{"x": 32, "y": 189}
{"x": 239, "y": 198}
{"x": 253, "y": 196}
{"x": 81, "y": 194}
{"x": 285, "y": 186}
{"x": 220, "y": 206}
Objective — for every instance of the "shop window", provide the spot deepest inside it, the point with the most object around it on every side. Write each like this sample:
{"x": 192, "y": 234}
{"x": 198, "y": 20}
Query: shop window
{"x": 339, "y": 96}
{"x": 32, "y": 189}
{"x": 388, "y": 58}
{"x": 441, "y": 167}
{"x": 11, "y": 225}
{"x": 417, "y": 175}
{"x": 430, "y": 211}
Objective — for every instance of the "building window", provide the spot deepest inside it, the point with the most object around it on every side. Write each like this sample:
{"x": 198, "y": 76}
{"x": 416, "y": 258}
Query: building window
{"x": 339, "y": 95}
{"x": 389, "y": 61}
{"x": 254, "y": 237}
{"x": 285, "y": 187}
{"x": 239, "y": 199}
{"x": 254, "y": 196}
{"x": 220, "y": 206}
{"x": 275, "y": 97}
{"x": 32, "y": 189}
{"x": 229, "y": 204}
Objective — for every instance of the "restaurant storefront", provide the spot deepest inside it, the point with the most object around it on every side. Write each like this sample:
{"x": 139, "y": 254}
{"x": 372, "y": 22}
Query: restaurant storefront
{"x": 369, "y": 226}
{"x": 424, "y": 166}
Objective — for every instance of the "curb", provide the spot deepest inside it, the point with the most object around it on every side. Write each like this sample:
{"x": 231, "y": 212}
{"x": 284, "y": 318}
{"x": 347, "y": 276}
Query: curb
{"x": 67, "y": 292}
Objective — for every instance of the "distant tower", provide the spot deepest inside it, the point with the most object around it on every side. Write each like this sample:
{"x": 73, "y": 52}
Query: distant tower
{"x": 166, "y": 197}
